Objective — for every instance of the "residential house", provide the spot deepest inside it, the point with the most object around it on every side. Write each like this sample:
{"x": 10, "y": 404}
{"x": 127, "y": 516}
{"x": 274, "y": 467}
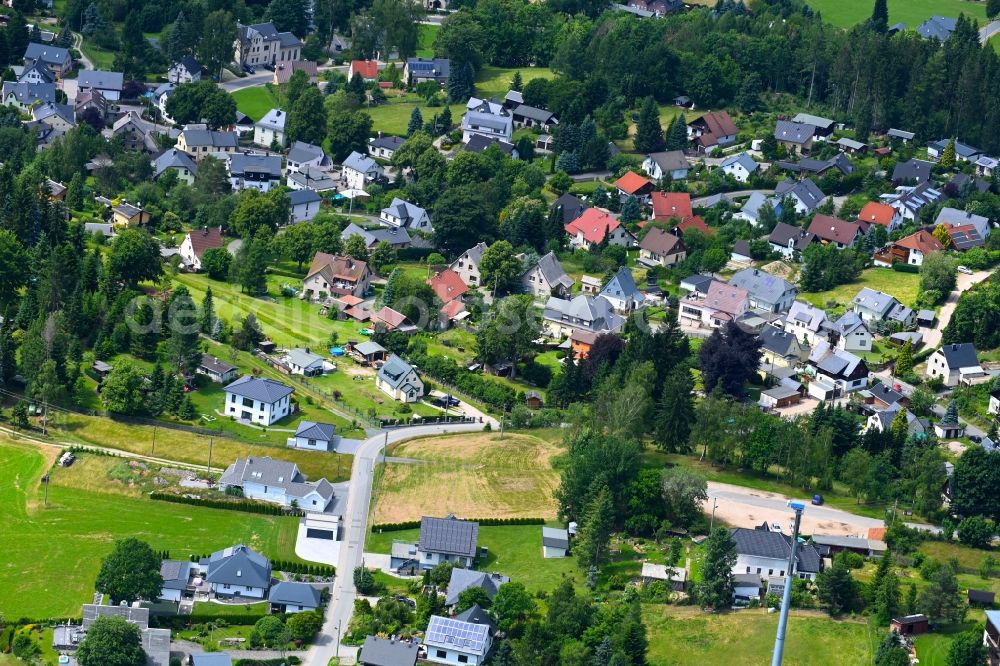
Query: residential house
{"x": 532, "y": 117}
{"x": 780, "y": 348}
{"x": 632, "y": 184}
{"x": 175, "y": 574}
{"x": 201, "y": 142}
{"x": 900, "y": 135}
{"x": 713, "y": 130}
{"x": 555, "y": 542}
{"x": 397, "y": 238}
{"x": 851, "y": 146}
{"x": 60, "y": 116}
{"x": 721, "y": 304}
{"x": 487, "y": 119}
{"x": 837, "y": 371}
{"x": 302, "y": 154}
{"x": 367, "y": 352}
{"x": 752, "y": 207}
{"x": 57, "y": 59}
{"x": 912, "y": 172}
{"x": 675, "y": 578}
{"x": 875, "y": 306}
{"x": 746, "y": 588}
{"x": 402, "y": 213}
{"x": 824, "y": 126}
{"x": 740, "y": 167}
{"x": 994, "y": 403}
{"x": 218, "y": 371}
{"x": 44, "y": 134}
{"x": 671, "y": 206}
{"x": 310, "y": 178}
{"x": 366, "y": 69}
{"x": 991, "y": 637}
{"x": 447, "y": 285}
{"x": 418, "y": 70}
{"x": 466, "y": 579}
{"x": 314, "y": 436}
{"x": 671, "y": 163}
{"x": 451, "y": 641}
{"x": 155, "y": 643}
{"x": 36, "y": 73}
{"x": 270, "y": 130}
{"x": 956, "y": 364}
{"x": 661, "y": 248}
{"x": 467, "y": 265}
{"x": 289, "y": 597}
{"x": 109, "y": 84}
{"x": 937, "y": 27}
{"x": 392, "y": 320}
{"x": 248, "y": 170}
{"x": 838, "y": 232}
{"x": 195, "y": 244}
{"x": 237, "y": 571}
{"x": 305, "y": 204}
{"x": 807, "y": 322}
{"x": 283, "y": 71}
{"x": 764, "y": 553}
{"x": 909, "y": 250}
{"x": 447, "y": 540}
{"x": 258, "y": 400}
{"x": 176, "y": 161}
{"x": 881, "y": 419}
{"x": 909, "y": 201}
{"x": 766, "y": 291}
{"x": 593, "y": 314}
{"x": 547, "y": 278}
{"x": 963, "y": 152}
{"x": 26, "y": 96}
{"x": 131, "y": 130}
{"x": 622, "y": 292}
{"x": 331, "y": 275}
{"x": 819, "y": 167}
{"x": 185, "y": 70}
{"x": 804, "y": 194}
{"x": 127, "y": 215}
{"x": 399, "y": 380}
{"x": 360, "y": 170}
{"x": 478, "y": 143}
{"x": 960, "y": 219}
{"x": 91, "y": 99}
{"x": 595, "y": 226}
{"x": 301, "y": 361}
{"x": 277, "y": 481}
{"x": 985, "y": 166}
{"x": 384, "y": 147}
{"x": 833, "y": 544}
{"x": 693, "y": 222}
{"x": 261, "y": 44}
{"x": 387, "y": 652}
{"x": 881, "y": 214}
{"x": 797, "y": 138}
{"x": 852, "y": 333}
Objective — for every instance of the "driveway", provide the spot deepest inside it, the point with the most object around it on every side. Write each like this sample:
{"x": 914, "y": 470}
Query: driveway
{"x": 932, "y": 336}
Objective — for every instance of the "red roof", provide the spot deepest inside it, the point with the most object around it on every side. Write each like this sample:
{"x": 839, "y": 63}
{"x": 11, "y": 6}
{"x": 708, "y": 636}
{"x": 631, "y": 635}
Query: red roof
{"x": 834, "y": 230}
{"x": 594, "y": 224}
{"x": 718, "y": 123}
{"x": 447, "y": 285}
{"x": 921, "y": 241}
{"x": 368, "y": 69}
{"x": 695, "y": 222}
{"x": 357, "y": 313}
{"x": 667, "y": 205}
{"x": 632, "y": 182}
{"x": 205, "y": 239}
{"x": 877, "y": 213}
{"x": 389, "y": 317}
{"x": 453, "y": 308}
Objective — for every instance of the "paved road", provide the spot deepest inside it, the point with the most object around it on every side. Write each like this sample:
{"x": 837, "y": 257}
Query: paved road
{"x": 932, "y": 336}
{"x": 988, "y": 31}
{"x": 355, "y": 522}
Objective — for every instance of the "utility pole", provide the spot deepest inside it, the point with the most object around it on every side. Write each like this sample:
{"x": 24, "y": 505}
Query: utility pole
{"x": 208, "y": 468}
{"x": 786, "y": 597}
{"x": 45, "y": 480}
{"x": 153, "y": 452}
{"x": 502, "y": 419}
{"x": 715, "y": 505}
{"x": 338, "y": 640}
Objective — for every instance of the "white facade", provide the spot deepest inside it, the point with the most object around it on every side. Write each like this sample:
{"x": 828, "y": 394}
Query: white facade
{"x": 309, "y": 444}
{"x": 552, "y": 551}
{"x": 766, "y": 566}
{"x": 451, "y": 655}
{"x": 860, "y": 339}
{"x": 228, "y": 590}
{"x": 170, "y": 595}
{"x": 279, "y": 495}
{"x": 358, "y": 180}
{"x": 255, "y": 411}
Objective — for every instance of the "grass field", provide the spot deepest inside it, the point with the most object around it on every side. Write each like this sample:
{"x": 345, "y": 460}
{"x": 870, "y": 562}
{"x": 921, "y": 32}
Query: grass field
{"x": 255, "y": 101}
{"x": 846, "y": 13}
{"x": 426, "y": 34}
{"x": 932, "y": 649}
{"x": 904, "y": 286}
{"x": 514, "y": 551}
{"x": 495, "y": 81}
{"x": 685, "y": 636}
{"x": 478, "y": 476}
{"x": 51, "y": 555}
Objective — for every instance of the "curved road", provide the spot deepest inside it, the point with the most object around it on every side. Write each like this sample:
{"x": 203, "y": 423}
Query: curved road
{"x": 355, "y": 526}
{"x": 988, "y": 31}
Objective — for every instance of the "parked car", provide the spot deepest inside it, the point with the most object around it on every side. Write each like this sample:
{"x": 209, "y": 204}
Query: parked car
{"x": 817, "y": 500}
{"x": 964, "y": 269}
{"x": 249, "y": 69}
{"x": 445, "y": 402}
{"x": 976, "y": 438}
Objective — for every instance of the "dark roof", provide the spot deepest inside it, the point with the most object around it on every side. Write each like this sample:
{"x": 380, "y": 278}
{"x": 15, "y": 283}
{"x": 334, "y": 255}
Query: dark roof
{"x": 298, "y": 594}
{"x": 387, "y": 652}
{"x": 50, "y": 55}
{"x": 477, "y": 615}
{"x": 238, "y": 565}
{"x": 910, "y": 619}
{"x": 777, "y": 341}
{"x": 190, "y": 64}
{"x": 917, "y": 170}
{"x": 478, "y": 143}
{"x": 313, "y": 430}
{"x": 960, "y": 355}
{"x": 786, "y": 130}
{"x": 213, "y": 364}
{"x": 449, "y": 535}
{"x": 783, "y": 233}
{"x": 175, "y": 574}
{"x": 387, "y": 142}
{"x": 555, "y": 537}
{"x": 572, "y": 207}
{"x": 661, "y": 242}
{"x": 982, "y": 596}
{"x": 775, "y": 545}
{"x": 259, "y": 388}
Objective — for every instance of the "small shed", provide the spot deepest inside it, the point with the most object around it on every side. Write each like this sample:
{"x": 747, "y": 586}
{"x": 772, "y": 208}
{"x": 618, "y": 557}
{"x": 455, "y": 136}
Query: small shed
{"x": 534, "y": 400}
{"x": 675, "y": 577}
{"x": 926, "y": 317}
{"x": 590, "y": 284}
{"x": 555, "y": 542}
{"x": 779, "y": 396}
{"x": 910, "y": 625}
{"x": 101, "y": 368}
{"x": 746, "y": 587}
{"x": 982, "y": 597}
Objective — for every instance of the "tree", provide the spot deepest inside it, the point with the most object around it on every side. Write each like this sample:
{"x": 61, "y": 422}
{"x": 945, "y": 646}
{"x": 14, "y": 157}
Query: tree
{"x": 500, "y": 268}
{"x": 677, "y": 137}
{"x": 675, "y": 414}
{"x": 630, "y": 210}
{"x": 512, "y": 606}
{"x": 947, "y": 160}
{"x": 288, "y": 16}
{"x": 215, "y": 50}
{"x": 201, "y": 101}
{"x": 684, "y": 491}
{"x": 992, "y": 9}
{"x": 271, "y": 629}
{"x": 473, "y": 596}
{"x": 836, "y": 588}
{"x": 131, "y": 572}
{"x": 249, "y": 334}
{"x": 967, "y": 649}
{"x": 215, "y": 261}
{"x": 891, "y": 652}
{"x": 938, "y": 274}
{"x": 884, "y": 591}
{"x": 306, "y": 117}
{"x": 303, "y": 626}
{"x": 383, "y": 257}
{"x": 207, "y": 318}
{"x": 648, "y": 132}
{"x": 111, "y": 641}
{"x": 348, "y": 131}
{"x": 904, "y": 361}
{"x": 356, "y": 248}
{"x": 976, "y": 532}
{"x": 462, "y": 217}
{"x": 508, "y": 331}
{"x": 416, "y": 122}
{"x": 134, "y": 256}
{"x": 122, "y": 389}
{"x": 13, "y": 259}
{"x": 729, "y": 358}
{"x": 716, "y": 589}
{"x": 941, "y": 600}
{"x": 461, "y": 82}
{"x": 976, "y": 483}
{"x": 297, "y": 242}
{"x": 364, "y": 581}
{"x": 879, "y": 20}
{"x": 595, "y": 531}
{"x": 255, "y": 210}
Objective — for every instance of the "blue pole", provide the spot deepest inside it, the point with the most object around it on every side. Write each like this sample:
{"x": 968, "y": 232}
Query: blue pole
{"x": 786, "y": 600}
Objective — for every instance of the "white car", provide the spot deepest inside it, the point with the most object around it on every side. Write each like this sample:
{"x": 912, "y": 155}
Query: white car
{"x": 964, "y": 269}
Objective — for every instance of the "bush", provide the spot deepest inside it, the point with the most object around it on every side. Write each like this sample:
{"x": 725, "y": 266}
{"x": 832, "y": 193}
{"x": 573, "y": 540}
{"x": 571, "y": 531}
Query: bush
{"x": 976, "y": 532}
{"x": 245, "y": 506}
{"x": 483, "y": 522}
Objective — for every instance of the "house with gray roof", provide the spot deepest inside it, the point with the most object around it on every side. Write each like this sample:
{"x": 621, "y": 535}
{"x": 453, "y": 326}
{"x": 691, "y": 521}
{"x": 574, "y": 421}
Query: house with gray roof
{"x": 260, "y": 44}
{"x": 310, "y": 178}
{"x": 909, "y": 201}
{"x": 824, "y": 126}
{"x": 300, "y": 361}
{"x": 211, "y": 659}
{"x": 289, "y": 597}
{"x": 900, "y": 135}
{"x": 530, "y": 116}
{"x": 912, "y": 171}
{"x": 176, "y": 575}
{"x": 487, "y": 119}
{"x": 302, "y": 154}
{"x": 305, "y": 204}
{"x": 185, "y": 70}
{"x": 384, "y": 147}
{"x": 57, "y": 59}
{"x": 819, "y": 167}
{"x": 447, "y": 540}
{"x": 465, "y": 579}
{"x": 751, "y": 209}
{"x": 314, "y": 436}
{"x": 398, "y": 238}
{"x": 960, "y": 218}
{"x": 780, "y": 348}
{"x": 258, "y": 400}
{"x": 671, "y": 163}
{"x": 592, "y": 314}
{"x": 399, "y": 380}
{"x": 453, "y": 641}
{"x": 387, "y": 652}
{"x": 807, "y": 322}
{"x": 403, "y": 214}
{"x": 767, "y": 292}
{"x": 200, "y": 142}
{"x": 25, "y": 96}
{"x": 36, "y": 73}
{"x": 360, "y": 170}
{"x": 247, "y": 170}
{"x": 60, "y": 116}
{"x": 797, "y": 138}
{"x": 418, "y": 70}
{"x": 270, "y": 129}
{"x": 873, "y": 306}
{"x": 109, "y": 84}
{"x": 957, "y": 363}
{"x": 837, "y": 371}
{"x": 467, "y": 265}
{"x": 622, "y": 292}
{"x": 278, "y": 481}
{"x": 740, "y": 167}
{"x": 217, "y": 370}
{"x": 764, "y": 553}
{"x": 570, "y": 206}
{"x": 937, "y": 27}
{"x": 804, "y": 194}
{"x": 177, "y": 161}
{"x": 555, "y": 542}
{"x": 237, "y": 571}
{"x": 547, "y": 278}
{"x": 963, "y": 151}
{"x": 852, "y": 332}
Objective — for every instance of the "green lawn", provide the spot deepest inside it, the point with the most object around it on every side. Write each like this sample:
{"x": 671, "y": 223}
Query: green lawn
{"x": 515, "y": 551}
{"x": 255, "y": 102}
{"x": 846, "y": 13}
{"x": 932, "y": 649}
{"x": 426, "y": 34}
{"x": 393, "y": 116}
{"x": 904, "y": 286}
{"x": 51, "y": 555}
{"x": 495, "y": 81}
{"x": 685, "y": 636}
{"x": 99, "y": 57}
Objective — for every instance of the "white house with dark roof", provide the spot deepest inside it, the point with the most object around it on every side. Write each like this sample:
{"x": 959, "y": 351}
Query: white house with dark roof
{"x": 766, "y": 291}
{"x": 465, "y": 579}
{"x": 671, "y": 163}
{"x": 177, "y": 161}
{"x": 290, "y": 597}
{"x": 301, "y": 361}
{"x": 175, "y": 574}
{"x": 278, "y": 481}
{"x": 185, "y": 70}
{"x": 270, "y": 129}
{"x": 837, "y": 371}
{"x": 397, "y": 238}
{"x": 37, "y": 73}
{"x": 217, "y": 370}
{"x": 592, "y": 314}
{"x": 740, "y": 167}
{"x": 805, "y": 195}
{"x": 258, "y": 400}
{"x": 301, "y": 154}
{"x": 109, "y": 84}
{"x": 237, "y": 571}
{"x": 963, "y": 152}
{"x": 852, "y": 333}
{"x": 401, "y": 213}
{"x": 360, "y": 170}
{"x": 807, "y": 322}
{"x": 488, "y": 119}
{"x": 876, "y": 306}
{"x": 456, "y": 642}
{"x": 387, "y": 652}
{"x": 447, "y": 540}
{"x": 399, "y": 380}
{"x": 547, "y": 278}
{"x": 467, "y": 265}
{"x": 314, "y": 436}
{"x": 751, "y": 209}
{"x": 250, "y": 171}
{"x": 780, "y": 348}
{"x": 384, "y": 147}
{"x": 57, "y": 59}
{"x": 261, "y": 44}
{"x": 310, "y": 178}
{"x": 765, "y": 553}
{"x": 418, "y": 70}
{"x": 622, "y": 292}
{"x": 555, "y": 542}
{"x": 304, "y": 205}
{"x": 956, "y": 364}
{"x": 797, "y": 138}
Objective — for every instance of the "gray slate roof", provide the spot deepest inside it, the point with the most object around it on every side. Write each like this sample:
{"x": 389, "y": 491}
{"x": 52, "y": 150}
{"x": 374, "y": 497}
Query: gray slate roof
{"x": 464, "y": 579}
{"x": 810, "y": 314}
{"x": 437, "y": 68}
{"x": 572, "y": 207}
{"x": 586, "y": 312}
{"x": 777, "y": 341}
{"x": 477, "y": 615}
{"x": 937, "y": 27}
{"x": 961, "y": 149}
{"x": 273, "y": 120}
{"x": 622, "y": 286}
{"x": 307, "y": 196}
{"x": 259, "y": 388}
{"x": 173, "y": 159}
{"x": 304, "y": 152}
{"x": 553, "y": 271}
{"x": 914, "y": 169}
{"x": 387, "y": 652}
{"x": 239, "y": 565}
{"x": 95, "y": 78}
{"x": 960, "y": 355}
{"x": 404, "y": 210}
{"x": 358, "y": 162}
{"x": 876, "y": 301}
{"x": 386, "y": 142}
{"x": 743, "y": 159}
{"x": 762, "y": 286}
{"x": 213, "y": 363}
{"x": 30, "y": 93}
{"x": 393, "y": 236}
{"x": 369, "y": 347}
{"x": 298, "y": 594}
{"x": 202, "y": 136}
{"x": 175, "y": 574}
{"x": 242, "y": 163}
{"x": 776, "y": 546}
{"x": 325, "y": 432}
{"x": 50, "y": 110}
{"x": 805, "y": 191}
{"x": 303, "y": 357}
{"x": 792, "y": 132}
{"x": 448, "y": 535}
{"x": 815, "y": 121}
{"x": 554, "y": 537}
{"x": 394, "y": 372}
{"x": 261, "y": 469}
{"x": 50, "y": 55}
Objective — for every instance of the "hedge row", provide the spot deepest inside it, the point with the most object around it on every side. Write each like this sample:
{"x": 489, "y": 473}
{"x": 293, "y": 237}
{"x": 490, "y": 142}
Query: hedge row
{"x": 178, "y": 622}
{"x": 290, "y": 567}
{"x": 494, "y": 394}
{"x": 483, "y": 522}
{"x": 292, "y": 660}
{"x": 900, "y": 267}
{"x": 245, "y": 506}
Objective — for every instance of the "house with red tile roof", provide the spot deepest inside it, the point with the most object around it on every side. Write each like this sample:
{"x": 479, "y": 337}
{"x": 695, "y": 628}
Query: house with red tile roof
{"x": 632, "y": 184}
{"x": 593, "y": 225}
{"x": 448, "y": 285}
{"x": 331, "y": 275}
{"x": 881, "y": 214}
{"x": 722, "y": 303}
{"x": 196, "y": 243}
{"x": 693, "y": 222}
{"x": 392, "y": 320}
{"x": 368, "y": 69}
{"x": 671, "y": 205}
{"x": 841, "y": 233}
{"x": 909, "y": 250}
{"x": 712, "y": 130}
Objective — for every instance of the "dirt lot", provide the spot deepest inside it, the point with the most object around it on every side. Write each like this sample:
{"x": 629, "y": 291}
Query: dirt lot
{"x": 475, "y": 476}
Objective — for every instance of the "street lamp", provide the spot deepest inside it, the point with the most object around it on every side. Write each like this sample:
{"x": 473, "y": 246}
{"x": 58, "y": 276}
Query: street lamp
{"x": 786, "y": 597}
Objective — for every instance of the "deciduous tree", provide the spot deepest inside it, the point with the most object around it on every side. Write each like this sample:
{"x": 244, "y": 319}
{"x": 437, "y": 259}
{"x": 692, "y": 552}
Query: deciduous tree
{"x": 130, "y": 572}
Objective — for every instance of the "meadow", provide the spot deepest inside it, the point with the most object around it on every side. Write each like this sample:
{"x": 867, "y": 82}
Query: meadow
{"x": 904, "y": 286}
{"x": 847, "y": 13}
